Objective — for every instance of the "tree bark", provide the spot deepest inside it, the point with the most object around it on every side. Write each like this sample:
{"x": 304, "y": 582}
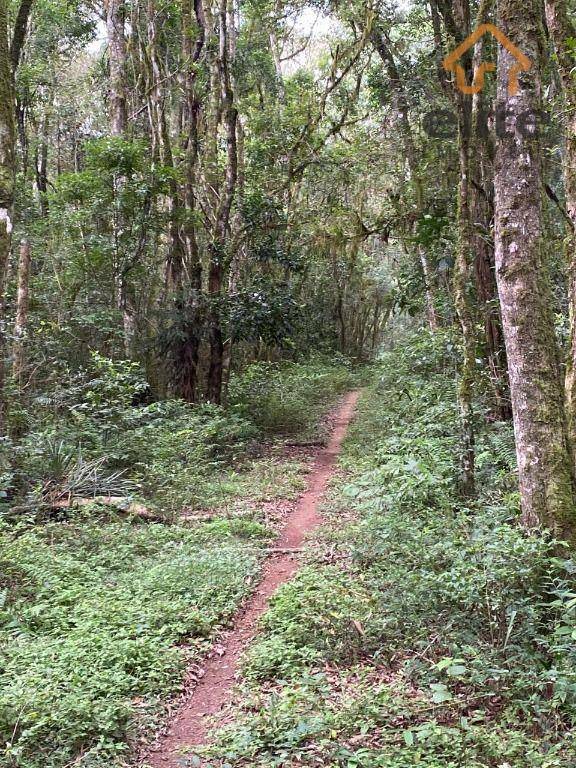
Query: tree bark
{"x": 20, "y": 32}
{"x": 462, "y": 288}
{"x": 229, "y": 114}
{"x": 546, "y": 475}
{"x": 456, "y": 17}
{"x": 117, "y": 56}
{"x": 482, "y": 212}
{"x": 42, "y": 165}
{"x": 383, "y": 49}
{"x": 7, "y": 174}
{"x": 117, "y": 64}
{"x": 21, "y": 323}
{"x": 193, "y": 42}
{"x": 563, "y": 33}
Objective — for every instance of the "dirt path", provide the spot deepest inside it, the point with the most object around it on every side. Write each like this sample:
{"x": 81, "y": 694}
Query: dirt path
{"x": 189, "y": 727}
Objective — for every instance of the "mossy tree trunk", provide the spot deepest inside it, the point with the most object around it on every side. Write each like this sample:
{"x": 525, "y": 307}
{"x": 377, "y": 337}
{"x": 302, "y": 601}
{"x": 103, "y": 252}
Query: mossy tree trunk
{"x": 563, "y": 33}
{"x": 546, "y": 475}
{"x": 482, "y": 214}
{"x": 7, "y": 170}
{"x": 456, "y": 18}
{"x": 117, "y": 65}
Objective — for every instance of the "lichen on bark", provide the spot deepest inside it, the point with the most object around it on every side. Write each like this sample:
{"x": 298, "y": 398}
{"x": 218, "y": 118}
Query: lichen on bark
{"x": 546, "y": 473}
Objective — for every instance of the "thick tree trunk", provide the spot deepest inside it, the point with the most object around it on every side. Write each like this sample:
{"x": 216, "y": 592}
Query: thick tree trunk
{"x": 546, "y": 474}
{"x": 563, "y": 32}
{"x": 21, "y": 323}
{"x": 7, "y": 172}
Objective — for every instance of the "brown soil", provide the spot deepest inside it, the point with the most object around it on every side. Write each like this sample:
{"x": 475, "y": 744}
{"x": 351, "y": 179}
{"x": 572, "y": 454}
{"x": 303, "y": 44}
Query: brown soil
{"x": 189, "y": 726}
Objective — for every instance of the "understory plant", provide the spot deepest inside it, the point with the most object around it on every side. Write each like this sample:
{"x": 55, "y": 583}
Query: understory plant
{"x": 427, "y": 630}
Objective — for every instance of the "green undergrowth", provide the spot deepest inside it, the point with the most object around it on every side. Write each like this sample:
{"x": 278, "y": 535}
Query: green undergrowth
{"x": 289, "y": 399}
{"x": 99, "y": 611}
{"x": 91, "y": 438}
{"x": 421, "y": 631}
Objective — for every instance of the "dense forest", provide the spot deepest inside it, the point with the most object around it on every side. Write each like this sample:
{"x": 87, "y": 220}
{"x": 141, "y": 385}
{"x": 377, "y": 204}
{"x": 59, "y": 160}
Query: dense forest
{"x": 287, "y": 383}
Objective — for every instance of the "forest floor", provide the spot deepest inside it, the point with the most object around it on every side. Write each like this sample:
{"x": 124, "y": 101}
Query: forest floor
{"x": 188, "y": 728}
{"x": 106, "y": 615}
{"x": 420, "y": 630}
{"x": 387, "y": 621}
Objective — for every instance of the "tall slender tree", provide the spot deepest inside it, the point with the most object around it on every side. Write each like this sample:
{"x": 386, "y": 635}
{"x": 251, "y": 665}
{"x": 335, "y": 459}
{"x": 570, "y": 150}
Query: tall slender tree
{"x": 7, "y": 174}
{"x": 456, "y": 18}
{"x": 383, "y": 48}
{"x": 22, "y": 306}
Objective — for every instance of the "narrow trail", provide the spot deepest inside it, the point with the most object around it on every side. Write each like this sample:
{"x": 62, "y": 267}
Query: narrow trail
{"x": 190, "y": 725}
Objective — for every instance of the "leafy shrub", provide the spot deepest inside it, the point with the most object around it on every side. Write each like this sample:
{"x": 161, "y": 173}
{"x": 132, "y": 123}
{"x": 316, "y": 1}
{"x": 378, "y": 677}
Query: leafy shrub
{"x": 97, "y": 618}
{"x": 315, "y": 615}
{"x": 288, "y": 397}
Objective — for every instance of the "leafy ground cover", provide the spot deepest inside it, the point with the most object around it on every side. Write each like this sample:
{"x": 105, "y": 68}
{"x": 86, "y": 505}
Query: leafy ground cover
{"x": 422, "y": 631}
{"x": 99, "y": 611}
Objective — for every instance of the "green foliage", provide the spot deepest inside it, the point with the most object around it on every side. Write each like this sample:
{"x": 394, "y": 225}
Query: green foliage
{"x": 89, "y": 624}
{"x": 69, "y": 475}
{"x": 316, "y": 616}
{"x": 98, "y": 615}
{"x": 289, "y": 398}
{"x": 444, "y": 636}
{"x": 178, "y": 452}
{"x": 94, "y": 438}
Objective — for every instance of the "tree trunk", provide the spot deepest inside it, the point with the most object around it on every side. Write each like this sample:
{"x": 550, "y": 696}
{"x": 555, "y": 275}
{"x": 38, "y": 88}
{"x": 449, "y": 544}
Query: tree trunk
{"x": 563, "y": 32}
{"x": 383, "y": 49}
{"x": 482, "y": 212}
{"x": 7, "y": 173}
{"x": 462, "y": 289}
{"x": 20, "y": 32}
{"x": 457, "y": 22}
{"x": 42, "y": 166}
{"x": 546, "y": 475}
{"x": 228, "y": 112}
{"x": 117, "y": 55}
{"x": 429, "y": 292}
{"x": 21, "y": 323}
{"x": 117, "y": 63}
{"x": 193, "y": 41}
